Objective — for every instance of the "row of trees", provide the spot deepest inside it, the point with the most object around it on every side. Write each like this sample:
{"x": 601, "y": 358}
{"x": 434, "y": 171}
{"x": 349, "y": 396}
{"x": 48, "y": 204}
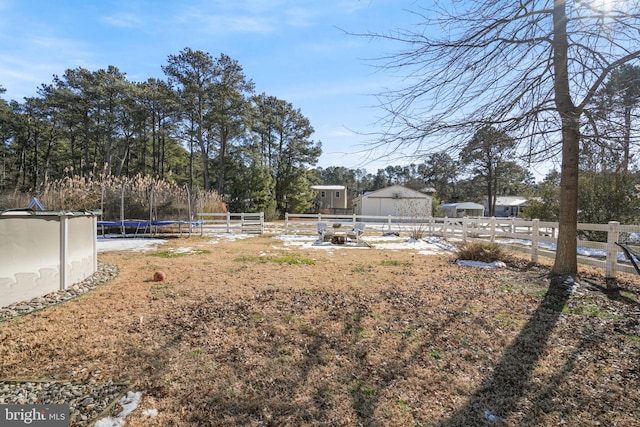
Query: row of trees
{"x": 204, "y": 125}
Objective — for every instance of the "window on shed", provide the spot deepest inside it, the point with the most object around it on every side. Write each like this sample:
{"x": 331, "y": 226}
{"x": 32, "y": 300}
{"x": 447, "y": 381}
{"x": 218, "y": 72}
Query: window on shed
{"x": 322, "y": 194}
{"x": 337, "y": 194}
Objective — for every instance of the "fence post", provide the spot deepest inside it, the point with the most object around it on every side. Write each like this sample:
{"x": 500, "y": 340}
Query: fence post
{"x": 286, "y": 223}
{"x": 444, "y": 228}
{"x": 493, "y": 229}
{"x": 612, "y": 252}
{"x": 228, "y": 222}
{"x": 465, "y": 224}
{"x": 261, "y": 222}
{"x": 535, "y": 233}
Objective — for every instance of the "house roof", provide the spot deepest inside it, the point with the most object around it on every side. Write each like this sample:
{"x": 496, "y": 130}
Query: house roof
{"x": 328, "y": 187}
{"x": 463, "y": 205}
{"x": 395, "y": 192}
{"x": 511, "y": 201}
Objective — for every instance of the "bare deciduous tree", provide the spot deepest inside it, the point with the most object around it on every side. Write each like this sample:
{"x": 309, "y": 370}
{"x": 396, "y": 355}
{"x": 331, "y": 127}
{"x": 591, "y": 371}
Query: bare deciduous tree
{"x": 529, "y": 67}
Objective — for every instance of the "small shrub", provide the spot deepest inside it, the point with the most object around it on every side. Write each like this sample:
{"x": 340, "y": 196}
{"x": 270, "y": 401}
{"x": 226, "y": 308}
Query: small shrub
{"x": 417, "y": 231}
{"x": 481, "y": 251}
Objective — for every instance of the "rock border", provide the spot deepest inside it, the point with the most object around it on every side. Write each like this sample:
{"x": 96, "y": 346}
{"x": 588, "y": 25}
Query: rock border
{"x": 105, "y": 273}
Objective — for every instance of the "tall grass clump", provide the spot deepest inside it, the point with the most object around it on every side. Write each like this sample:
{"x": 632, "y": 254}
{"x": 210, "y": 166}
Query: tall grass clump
{"x": 139, "y": 197}
{"x": 481, "y": 251}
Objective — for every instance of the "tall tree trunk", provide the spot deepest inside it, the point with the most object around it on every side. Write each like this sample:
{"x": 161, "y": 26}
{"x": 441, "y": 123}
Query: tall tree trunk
{"x": 627, "y": 138}
{"x": 204, "y": 156}
{"x": 566, "y": 262}
{"x": 222, "y": 160}
{"x": 490, "y": 204}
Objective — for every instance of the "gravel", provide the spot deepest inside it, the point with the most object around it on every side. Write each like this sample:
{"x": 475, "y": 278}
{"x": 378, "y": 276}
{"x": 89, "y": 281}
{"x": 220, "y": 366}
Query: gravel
{"x": 87, "y": 401}
{"x": 105, "y": 273}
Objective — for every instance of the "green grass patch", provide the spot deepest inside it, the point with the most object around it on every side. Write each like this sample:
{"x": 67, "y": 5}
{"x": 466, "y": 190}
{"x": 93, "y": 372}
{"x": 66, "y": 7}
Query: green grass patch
{"x": 506, "y": 318}
{"x": 361, "y": 268}
{"x": 591, "y": 310}
{"x": 629, "y": 295}
{"x": 395, "y": 263}
{"x": 435, "y": 354}
{"x": 166, "y": 290}
{"x": 175, "y": 254}
{"x": 279, "y": 259}
{"x": 533, "y": 290}
{"x": 632, "y": 338}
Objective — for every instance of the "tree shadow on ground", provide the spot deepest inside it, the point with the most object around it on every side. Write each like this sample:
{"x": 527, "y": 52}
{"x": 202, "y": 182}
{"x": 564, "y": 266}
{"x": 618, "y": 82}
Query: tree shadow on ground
{"x": 498, "y": 396}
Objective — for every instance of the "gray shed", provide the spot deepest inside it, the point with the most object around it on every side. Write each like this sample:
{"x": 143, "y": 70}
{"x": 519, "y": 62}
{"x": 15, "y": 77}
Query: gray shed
{"x": 395, "y": 200}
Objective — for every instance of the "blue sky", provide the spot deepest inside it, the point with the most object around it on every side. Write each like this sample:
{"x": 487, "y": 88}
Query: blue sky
{"x": 296, "y": 50}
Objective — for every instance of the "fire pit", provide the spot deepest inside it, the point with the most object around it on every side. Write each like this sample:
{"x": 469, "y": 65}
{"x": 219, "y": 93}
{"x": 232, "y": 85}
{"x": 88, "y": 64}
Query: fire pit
{"x": 338, "y": 240}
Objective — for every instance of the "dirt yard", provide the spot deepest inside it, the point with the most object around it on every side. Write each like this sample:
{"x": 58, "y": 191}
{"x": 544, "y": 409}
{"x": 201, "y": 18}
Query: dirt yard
{"x": 257, "y": 333}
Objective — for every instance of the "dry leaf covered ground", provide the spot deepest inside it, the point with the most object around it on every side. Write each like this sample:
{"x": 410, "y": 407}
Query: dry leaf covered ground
{"x": 254, "y": 332}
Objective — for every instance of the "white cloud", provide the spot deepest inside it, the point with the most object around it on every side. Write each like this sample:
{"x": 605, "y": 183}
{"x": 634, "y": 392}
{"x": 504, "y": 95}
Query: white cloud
{"x": 300, "y": 17}
{"x": 123, "y": 20}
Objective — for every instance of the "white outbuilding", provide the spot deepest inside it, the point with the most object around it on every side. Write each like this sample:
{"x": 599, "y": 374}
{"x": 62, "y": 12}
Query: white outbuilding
{"x": 395, "y": 200}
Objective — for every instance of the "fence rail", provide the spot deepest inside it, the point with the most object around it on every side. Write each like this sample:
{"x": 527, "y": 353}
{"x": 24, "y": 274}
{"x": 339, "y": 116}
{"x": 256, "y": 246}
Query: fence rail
{"x": 536, "y": 238}
{"x": 244, "y": 223}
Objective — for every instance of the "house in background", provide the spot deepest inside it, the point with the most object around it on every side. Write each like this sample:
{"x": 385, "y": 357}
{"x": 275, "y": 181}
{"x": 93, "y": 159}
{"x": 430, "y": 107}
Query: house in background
{"x": 330, "y": 198}
{"x": 459, "y": 210}
{"x": 507, "y": 206}
{"x": 395, "y": 200}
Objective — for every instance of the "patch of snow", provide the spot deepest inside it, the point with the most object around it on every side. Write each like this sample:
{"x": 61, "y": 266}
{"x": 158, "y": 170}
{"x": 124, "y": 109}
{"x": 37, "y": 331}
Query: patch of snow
{"x": 479, "y": 264}
{"x": 573, "y": 285}
{"x": 230, "y": 236}
{"x": 430, "y": 246}
{"x": 129, "y": 404}
{"x": 388, "y": 242}
{"x": 151, "y": 413}
{"x": 491, "y": 417}
{"x": 128, "y": 244}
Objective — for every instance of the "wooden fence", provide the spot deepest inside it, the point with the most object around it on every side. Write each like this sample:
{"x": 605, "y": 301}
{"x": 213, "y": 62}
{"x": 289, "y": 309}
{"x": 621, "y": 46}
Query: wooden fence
{"x": 244, "y": 223}
{"x": 537, "y": 238}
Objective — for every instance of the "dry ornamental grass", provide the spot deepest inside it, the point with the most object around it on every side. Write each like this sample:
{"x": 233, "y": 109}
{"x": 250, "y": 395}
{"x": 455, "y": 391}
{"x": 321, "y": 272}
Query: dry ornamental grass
{"x": 252, "y": 332}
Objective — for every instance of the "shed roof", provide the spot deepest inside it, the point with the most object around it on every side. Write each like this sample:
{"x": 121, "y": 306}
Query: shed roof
{"x": 510, "y": 201}
{"x": 328, "y": 187}
{"x": 463, "y": 205}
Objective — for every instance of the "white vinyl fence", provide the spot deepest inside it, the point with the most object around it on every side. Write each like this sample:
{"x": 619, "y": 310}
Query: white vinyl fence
{"x": 537, "y": 238}
{"x": 244, "y": 223}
